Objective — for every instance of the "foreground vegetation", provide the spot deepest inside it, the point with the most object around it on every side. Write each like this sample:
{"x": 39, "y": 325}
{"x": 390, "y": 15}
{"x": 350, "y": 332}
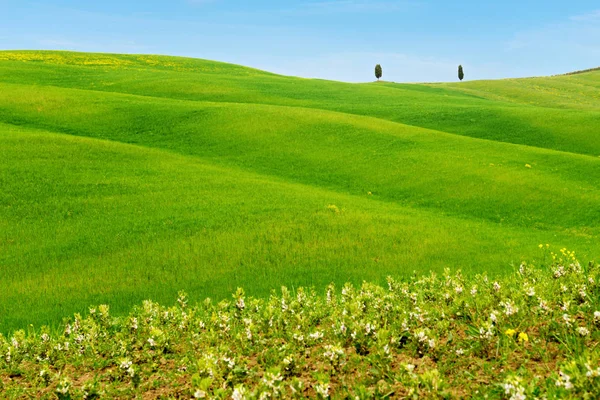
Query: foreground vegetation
{"x": 532, "y": 334}
{"x": 126, "y": 178}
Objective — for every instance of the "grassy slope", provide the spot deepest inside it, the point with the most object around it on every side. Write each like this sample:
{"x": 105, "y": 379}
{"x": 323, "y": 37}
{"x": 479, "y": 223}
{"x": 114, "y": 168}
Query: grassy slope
{"x": 243, "y": 165}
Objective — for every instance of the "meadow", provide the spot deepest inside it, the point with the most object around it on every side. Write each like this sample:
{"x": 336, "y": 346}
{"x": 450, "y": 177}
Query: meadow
{"x": 127, "y": 178}
{"x": 531, "y": 334}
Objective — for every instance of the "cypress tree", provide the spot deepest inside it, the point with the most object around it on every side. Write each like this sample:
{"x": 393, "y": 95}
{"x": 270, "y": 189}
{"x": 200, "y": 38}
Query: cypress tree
{"x": 378, "y": 71}
{"x": 461, "y": 74}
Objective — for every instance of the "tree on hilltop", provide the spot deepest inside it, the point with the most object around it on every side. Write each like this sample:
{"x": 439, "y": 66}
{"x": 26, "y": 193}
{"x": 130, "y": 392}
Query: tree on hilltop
{"x": 461, "y": 74}
{"x": 378, "y": 72}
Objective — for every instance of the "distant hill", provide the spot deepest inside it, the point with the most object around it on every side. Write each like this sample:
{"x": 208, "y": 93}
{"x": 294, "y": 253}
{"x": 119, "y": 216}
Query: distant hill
{"x": 127, "y": 177}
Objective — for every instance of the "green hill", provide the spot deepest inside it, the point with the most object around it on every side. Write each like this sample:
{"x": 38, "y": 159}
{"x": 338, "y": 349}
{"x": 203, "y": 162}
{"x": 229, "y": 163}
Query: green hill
{"x": 131, "y": 177}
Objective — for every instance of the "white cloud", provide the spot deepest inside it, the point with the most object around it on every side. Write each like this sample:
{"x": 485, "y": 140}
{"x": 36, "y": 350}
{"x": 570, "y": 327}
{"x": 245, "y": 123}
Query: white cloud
{"x": 591, "y": 16}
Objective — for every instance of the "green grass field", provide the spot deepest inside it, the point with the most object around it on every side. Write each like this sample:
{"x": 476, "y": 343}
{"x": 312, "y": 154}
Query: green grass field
{"x": 128, "y": 177}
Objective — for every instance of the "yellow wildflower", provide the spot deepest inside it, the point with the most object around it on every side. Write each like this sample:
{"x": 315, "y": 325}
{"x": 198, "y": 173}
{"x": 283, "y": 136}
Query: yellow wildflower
{"x": 510, "y": 332}
{"x": 523, "y": 337}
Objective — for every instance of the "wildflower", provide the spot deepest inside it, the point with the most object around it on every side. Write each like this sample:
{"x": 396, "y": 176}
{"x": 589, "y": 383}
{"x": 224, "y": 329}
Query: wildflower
{"x": 564, "y": 380}
{"x": 510, "y": 332}
{"x": 523, "y": 337}
{"x": 45, "y": 337}
{"x": 316, "y": 335}
{"x": 299, "y": 338}
{"x": 134, "y": 323}
{"x": 596, "y": 316}
{"x": 125, "y": 364}
{"x": 410, "y": 367}
{"x": 421, "y": 336}
{"x": 271, "y": 380}
{"x": 530, "y": 291}
{"x": 497, "y": 286}
{"x": 460, "y": 352}
{"x": 473, "y": 290}
{"x": 322, "y": 390}
{"x": 288, "y": 361}
{"x": 509, "y": 308}
{"x": 200, "y": 394}
{"x": 431, "y": 343}
{"x": 567, "y": 319}
{"x": 513, "y": 387}
{"x": 583, "y": 331}
{"x": 486, "y": 332}
{"x": 592, "y": 373}
{"x": 152, "y": 342}
{"x": 493, "y": 317}
{"x": 63, "y": 387}
{"x": 240, "y": 304}
{"x": 582, "y": 292}
{"x": 543, "y": 305}
{"x": 458, "y": 289}
{"x": 239, "y": 393}
{"x": 230, "y": 363}
{"x": 564, "y": 288}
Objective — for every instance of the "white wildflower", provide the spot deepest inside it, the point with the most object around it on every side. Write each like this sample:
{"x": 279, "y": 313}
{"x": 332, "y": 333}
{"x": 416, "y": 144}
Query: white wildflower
{"x": 564, "y": 380}
{"x": 239, "y": 393}
{"x": 592, "y": 373}
{"x": 509, "y": 308}
{"x": 322, "y": 390}
{"x": 494, "y": 317}
{"x": 497, "y": 286}
{"x": 240, "y": 304}
{"x": 230, "y": 362}
{"x": 530, "y": 291}
{"x": 583, "y": 331}
{"x": 543, "y": 305}
{"x": 125, "y": 364}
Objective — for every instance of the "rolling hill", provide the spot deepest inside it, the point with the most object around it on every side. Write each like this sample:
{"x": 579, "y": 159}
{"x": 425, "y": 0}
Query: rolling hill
{"x": 128, "y": 177}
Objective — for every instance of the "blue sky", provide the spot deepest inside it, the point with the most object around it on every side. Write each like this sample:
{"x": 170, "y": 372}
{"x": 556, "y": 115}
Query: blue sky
{"x": 414, "y": 40}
